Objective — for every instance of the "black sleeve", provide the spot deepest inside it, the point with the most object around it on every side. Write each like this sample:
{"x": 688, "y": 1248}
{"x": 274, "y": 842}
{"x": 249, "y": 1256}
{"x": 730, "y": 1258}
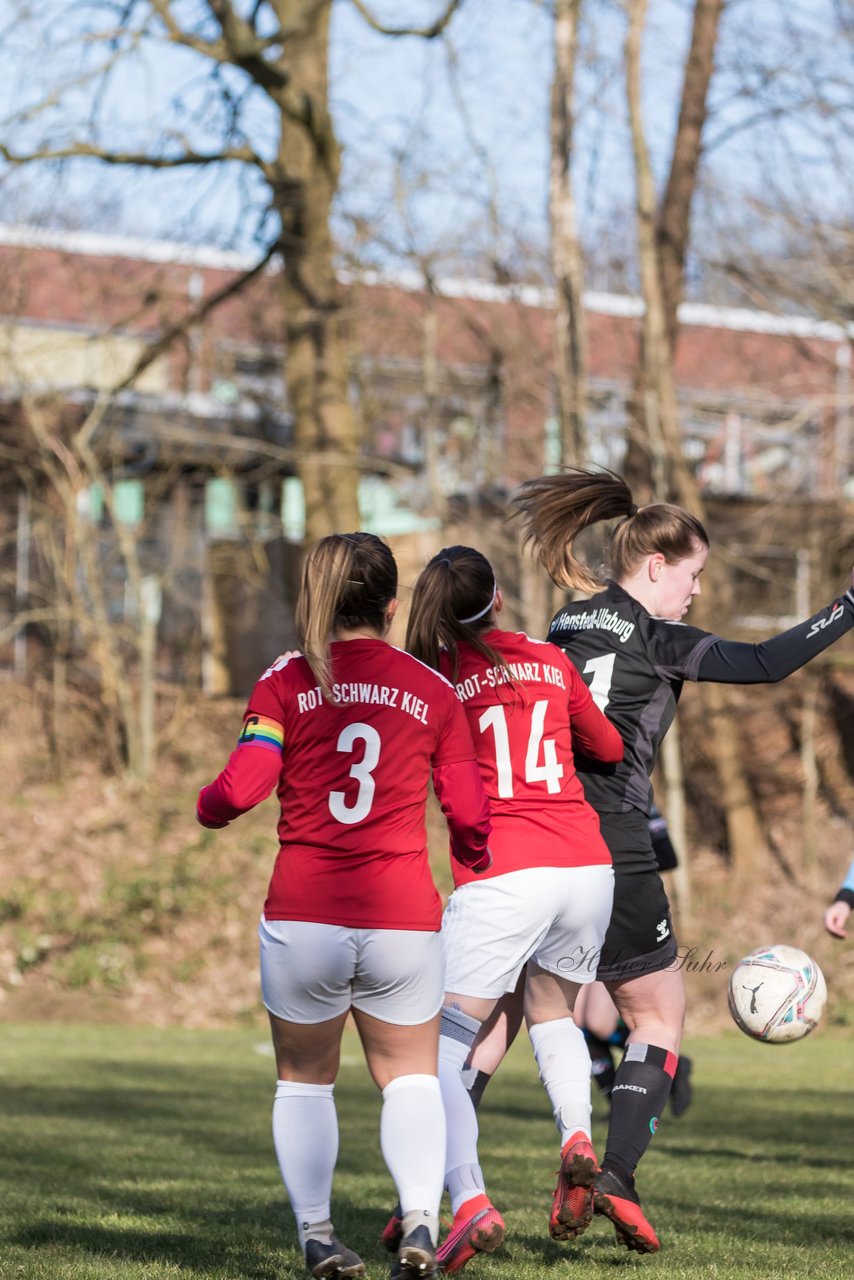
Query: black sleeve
{"x": 730, "y": 662}
{"x": 846, "y": 893}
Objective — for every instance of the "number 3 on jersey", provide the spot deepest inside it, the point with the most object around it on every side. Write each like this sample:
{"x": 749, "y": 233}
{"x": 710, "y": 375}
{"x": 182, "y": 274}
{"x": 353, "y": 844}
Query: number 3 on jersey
{"x": 362, "y": 771}
{"x": 550, "y": 771}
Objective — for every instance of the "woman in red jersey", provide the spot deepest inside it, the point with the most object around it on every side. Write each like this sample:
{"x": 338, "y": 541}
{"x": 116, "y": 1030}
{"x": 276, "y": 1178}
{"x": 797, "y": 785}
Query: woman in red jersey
{"x": 545, "y": 901}
{"x": 349, "y": 734}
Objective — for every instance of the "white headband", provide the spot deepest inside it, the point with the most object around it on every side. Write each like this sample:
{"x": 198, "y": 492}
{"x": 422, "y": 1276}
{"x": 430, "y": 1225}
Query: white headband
{"x": 477, "y": 616}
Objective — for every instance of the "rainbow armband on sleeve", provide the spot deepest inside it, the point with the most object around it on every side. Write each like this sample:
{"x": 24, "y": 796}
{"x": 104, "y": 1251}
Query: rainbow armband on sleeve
{"x": 261, "y": 731}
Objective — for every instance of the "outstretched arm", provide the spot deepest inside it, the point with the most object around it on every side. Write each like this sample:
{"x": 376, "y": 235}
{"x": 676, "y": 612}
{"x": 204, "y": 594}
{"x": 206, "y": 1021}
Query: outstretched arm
{"x": 730, "y": 662}
{"x": 836, "y": 915}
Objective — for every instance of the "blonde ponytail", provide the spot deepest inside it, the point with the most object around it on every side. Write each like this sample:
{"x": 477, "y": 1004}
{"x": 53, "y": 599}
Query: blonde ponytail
{"x": 348, "y": 580}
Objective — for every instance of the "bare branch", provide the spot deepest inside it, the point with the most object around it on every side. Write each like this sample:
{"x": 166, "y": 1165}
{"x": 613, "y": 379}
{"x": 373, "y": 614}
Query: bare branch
{"x": 214, "y": 49}
{"x": 425, "y": 33}
{"x": 243, "y": 47}
{"x": 142, "y": 159}
{"x": 194, "y": 317}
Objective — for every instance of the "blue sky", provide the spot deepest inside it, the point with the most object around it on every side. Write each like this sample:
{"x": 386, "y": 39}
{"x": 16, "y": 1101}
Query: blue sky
{"x": 398, "y": 108}
{"x": 458, "y": 127}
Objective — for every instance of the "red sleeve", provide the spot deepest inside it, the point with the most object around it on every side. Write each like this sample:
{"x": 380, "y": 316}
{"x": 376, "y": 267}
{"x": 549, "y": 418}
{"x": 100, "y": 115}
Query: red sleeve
{"x": 592, "y": 732}
{"x": 459, "y": 790}
{"x": 254, "y": 766}
{"x": 455, "y": 741}
{"x": 247, "y": 779}
{"x": 595, "y": 736}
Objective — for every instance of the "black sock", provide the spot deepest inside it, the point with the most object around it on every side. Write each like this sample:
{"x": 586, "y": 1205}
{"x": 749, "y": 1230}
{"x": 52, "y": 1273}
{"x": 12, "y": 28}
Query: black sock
{"x": 640, "y": 1091}
{"x": 601, "y": 1062}
{"x": 476, "y": 1081}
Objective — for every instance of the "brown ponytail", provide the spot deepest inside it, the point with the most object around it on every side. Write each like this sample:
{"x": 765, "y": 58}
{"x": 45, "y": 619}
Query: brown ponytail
{"x": 555, "y": 509}
{"x": 451, "y": 604}
{"x": 348, "y": 580}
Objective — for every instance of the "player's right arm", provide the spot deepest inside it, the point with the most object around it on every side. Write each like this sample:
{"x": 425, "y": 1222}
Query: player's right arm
{"x": 254, "y": 766}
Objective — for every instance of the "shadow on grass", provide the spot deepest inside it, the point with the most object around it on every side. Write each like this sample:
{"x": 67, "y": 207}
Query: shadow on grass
{"x": 596, "y": 1246}
{"x": 165, "y": 1247}
{"x": 784, "y": 1220}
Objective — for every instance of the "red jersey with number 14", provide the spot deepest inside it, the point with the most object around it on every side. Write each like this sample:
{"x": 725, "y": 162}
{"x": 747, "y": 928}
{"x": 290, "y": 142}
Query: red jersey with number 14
{"x": 524, "y": 717}
{"x": 351, "y": 777}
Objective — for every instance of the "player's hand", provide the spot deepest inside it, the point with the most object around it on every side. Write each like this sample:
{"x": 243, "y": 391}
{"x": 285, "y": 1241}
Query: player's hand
{"x": 485, "y": 863}
{"x": 212, "y": 824}
{"x": 835, "y": 919}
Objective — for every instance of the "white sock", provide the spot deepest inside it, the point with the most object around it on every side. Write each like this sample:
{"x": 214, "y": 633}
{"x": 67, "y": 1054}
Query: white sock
{"x": 564, "y": 1063}
{"x": 412, "y": 1140}
{"x": 463, "y": 1174}
{"x": 305, "y": 1135}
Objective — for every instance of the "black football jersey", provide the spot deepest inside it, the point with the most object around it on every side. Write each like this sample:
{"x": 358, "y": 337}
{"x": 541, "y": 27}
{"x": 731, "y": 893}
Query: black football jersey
{"x": 634, "y": 665}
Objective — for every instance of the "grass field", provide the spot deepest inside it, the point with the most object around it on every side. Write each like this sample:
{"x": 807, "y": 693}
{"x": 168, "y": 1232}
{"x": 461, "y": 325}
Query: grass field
{"x": 144, "y": 1154}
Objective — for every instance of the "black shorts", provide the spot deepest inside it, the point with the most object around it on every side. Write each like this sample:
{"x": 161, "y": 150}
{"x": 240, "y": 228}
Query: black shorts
{"x": 640, "y": 937}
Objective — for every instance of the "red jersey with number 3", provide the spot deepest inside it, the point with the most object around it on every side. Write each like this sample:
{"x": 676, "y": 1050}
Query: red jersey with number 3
{"x": 523, "y": 734}
{"x": 352, "y": 778}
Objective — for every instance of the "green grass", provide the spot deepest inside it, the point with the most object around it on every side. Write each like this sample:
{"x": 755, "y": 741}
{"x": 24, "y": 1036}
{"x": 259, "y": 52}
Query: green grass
{"x": 146, "y": 1154}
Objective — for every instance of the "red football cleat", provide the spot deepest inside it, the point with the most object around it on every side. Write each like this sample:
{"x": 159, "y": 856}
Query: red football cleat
{"x": 478, "y": 1227}
{"x": 619, "y": 1202}
{"x": 572, "y": 1207}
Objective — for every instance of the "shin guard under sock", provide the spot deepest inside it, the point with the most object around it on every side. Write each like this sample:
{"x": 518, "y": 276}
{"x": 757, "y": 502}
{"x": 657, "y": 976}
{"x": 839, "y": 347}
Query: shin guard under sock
{"x": 641, "y": 1088}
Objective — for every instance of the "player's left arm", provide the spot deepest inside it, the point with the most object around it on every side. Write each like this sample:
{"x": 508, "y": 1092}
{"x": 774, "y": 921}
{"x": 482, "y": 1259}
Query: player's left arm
{"x": 731, "y": 662}
{"x": 593, "y": 734}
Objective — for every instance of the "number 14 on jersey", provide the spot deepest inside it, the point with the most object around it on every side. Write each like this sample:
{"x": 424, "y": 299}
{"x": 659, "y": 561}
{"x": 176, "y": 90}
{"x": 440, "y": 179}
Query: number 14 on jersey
{"x": 550, "y": 770}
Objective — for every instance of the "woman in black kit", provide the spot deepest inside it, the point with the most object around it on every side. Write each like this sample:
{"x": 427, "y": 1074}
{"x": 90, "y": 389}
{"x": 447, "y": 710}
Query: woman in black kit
{"x": 630, "y": 645}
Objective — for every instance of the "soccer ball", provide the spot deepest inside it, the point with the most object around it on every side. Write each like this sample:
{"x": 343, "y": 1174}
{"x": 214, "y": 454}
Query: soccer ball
{"x": 777, "y": 994}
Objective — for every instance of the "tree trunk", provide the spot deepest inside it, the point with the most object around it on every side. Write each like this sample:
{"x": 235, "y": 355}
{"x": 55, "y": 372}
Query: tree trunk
{"x": 674, "y": 785}
{"x": 673, "y": 226}
{"x": 566, "y": 253}
{"x": 669, "y": 469}
{"x": 809, "y": 767}
{"x": 674, "y": 222}
{"x": 657, "y": 412}
{"x": 430, "y": 418}
{"x": 305, "y": 184}
{"x": 745, "y": 837}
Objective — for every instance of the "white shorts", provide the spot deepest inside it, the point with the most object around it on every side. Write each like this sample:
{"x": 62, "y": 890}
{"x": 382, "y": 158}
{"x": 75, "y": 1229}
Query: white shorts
{"x": 556, "y": 916}
{"x": 313, "y": 972}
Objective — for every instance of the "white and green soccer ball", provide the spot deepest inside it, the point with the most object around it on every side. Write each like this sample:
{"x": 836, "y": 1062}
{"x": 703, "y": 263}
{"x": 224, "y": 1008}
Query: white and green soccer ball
{"x": 777, "y": 994}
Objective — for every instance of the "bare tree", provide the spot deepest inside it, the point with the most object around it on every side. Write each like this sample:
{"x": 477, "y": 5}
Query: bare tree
{"x": 51, "y": 453}
{"x": 674, "y": 221}
{"x": 273, "y": 53}
{"x": 663, "y": 238}
{"x": 567, "y": 255}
